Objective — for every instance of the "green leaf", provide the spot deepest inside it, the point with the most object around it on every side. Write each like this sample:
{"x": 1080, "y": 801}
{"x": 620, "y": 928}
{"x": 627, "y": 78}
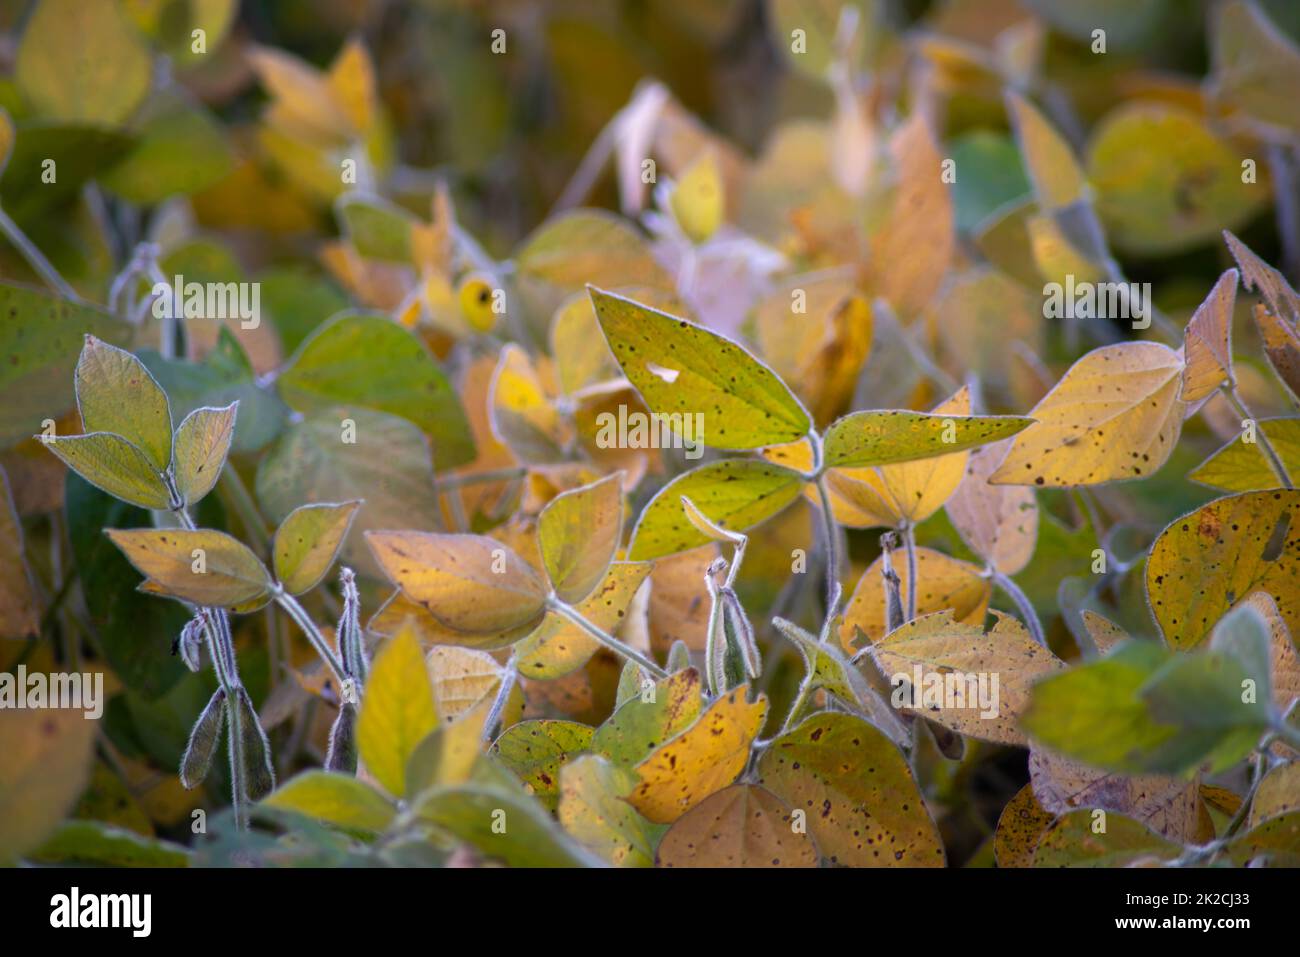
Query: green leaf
{"x": 111, "y": 463}
{"x": 307, "y": 542}
{"x": 200, "y": 450}
{"x": 40, "y": 339}
{"x": 397, "y": 712}
{"x": 883, "y": 437}
{"x": 1242, "y": 466}
{"x": 335, "y": 799}
{"x": 388, "y": 466}
{"x": 377, "y": 229}
{"x": 82, "y": 61}
{"x": 1275, "y": 842}
{"x": 646, "y": 721}
{"x": 181, "y": 150}
{"x": 579, "y": 532}
{"x": 536, "y": 750}
{"x": 202, "y": 566}
{"x": 370, "y": 361}
{"x": 593, "y": 811}
{"x": 862, "y": 802}
{"x": 504, "y": 826}
{"x": 685, "y": 370}
{"x": 734, "y": 494}
{"x": 116, "y": 393}
{"x": 1073, "y": 841}
{"x": 96, "y": 844}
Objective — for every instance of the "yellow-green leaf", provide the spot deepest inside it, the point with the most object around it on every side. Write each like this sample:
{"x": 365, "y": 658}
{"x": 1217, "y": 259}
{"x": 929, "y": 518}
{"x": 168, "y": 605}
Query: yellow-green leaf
{"x": 397, "y": 711}
{"x": 202, "y": 566}
{"x": 82, "y": 61}
{"x": 469, "y": 583}
{"x": 883, "y": 437}
{"x": 1242, "y": 466}
{"x": 202, "y": 443}
{"x": 111, "y": 463}
{"x": 698, "y": 200}
{"x": 117, "y": 394}
{"x": 1020, "y": 826}
{"x": 536, "y": 750}
{"x": 593, "y": 811}
{"x": 862, "y": 802}
{"x": 1114, "y": 415}
{"x": 578, "y": 533}
{"x": 307, "y": 542}
{"x": 710, "y": 385}
{"x": 1053, "y": 169}
{"x": 336, "y": 799}
{"x": 734, "y": 494}
{"x": 647, "y": 721}
{"x": 1075, "y": 841}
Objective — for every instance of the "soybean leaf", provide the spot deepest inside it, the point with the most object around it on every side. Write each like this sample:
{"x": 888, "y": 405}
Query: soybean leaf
{"x": 944, "y": 584}
{"x": 336, "y": 799}
{"x": 1205, "y": 562}
{"x": 370, "y": 361}
{"x": 704, "y": 758}
{"x": 79, "y": 843}
{"x": 862, "y": 802}
{"x": 998, "y": 522}
{"x": 734, "y": 494}
{"x": 307, "y": 542}
{"x": 883, "y": 437}
{"x": 1114, "y": 415}
{"x": 111, "y": 463}
{"x": 1020, "y": 826}
{"x": 1075, "y": 840}
{"x": 200, "y": 449}
{"x": 740, "y": 826}
{"x": 202, "y": 566}
{"x": 536, "y": 750}
{"x": 18, "y": 608}
{"x": 44, "y": 764}
{"x": 1258, "y": 276}
{"x": 41, "y": 338}
{"x": 1207, "y": 342}
{"x": 117, "y": 394}
{"x": 578, "y": 533}
{"x": 1242, "y": 466}
{"x": 397, "y": 712}
{"x": 469, "y": 583}
{"x": 948, "y": 653}
{"x": 646, "y": 722}
{"x": 1050, "y": 162}
{"x": 682, "y": 369}
{"x": 592, "y": 810}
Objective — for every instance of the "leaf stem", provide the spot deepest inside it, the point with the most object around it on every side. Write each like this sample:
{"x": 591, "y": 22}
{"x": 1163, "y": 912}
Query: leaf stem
{"x": 35, "y": 258}
{"x": 831, "y": 534}
{"x": 1023, "y": 603}
{"x": 499, "y": 702}
{"x": 908, "y": 533}
{"x": 609, "y": 641}
{"x": 1230, "y": 393}
{"x": 308, "y": 628}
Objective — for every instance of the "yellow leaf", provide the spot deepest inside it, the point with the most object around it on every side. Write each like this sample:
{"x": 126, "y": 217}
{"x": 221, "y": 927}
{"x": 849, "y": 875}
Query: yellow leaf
{"x": 1207, "y": 342}
{"x": 1114, "y": 415}
{"x": 1205, "y": 562}
{"x": 307, "y": 542}
{"x": 469, "y": 583}
{"x": 1057, "y": 177}
{"x": 579, "y": 532}
{"x": 704, "y": 758}
{"x": 1105, "y": 634}
{"x": 201, "y": 566}
{"x": 461, "y": 678}
{"x": 202, "y": 443}
{"x": 336, "y": 799}
{"x": 1281, "y": 347}
{"x": 1242, "y": 466}
{"x": 45, "y": 759}
{"x": 397, "y": 711}
{"x": 304, "y": 104}
{"x": 522, "y": 414}
{"x": 965, "y": 658}
{"x": 947, "y": 584}
{"x": 1020, "y": 825}
{"x": 698, "y": 201}
{"x": 351, "y": 81}
{"x": 1260, "y": 277}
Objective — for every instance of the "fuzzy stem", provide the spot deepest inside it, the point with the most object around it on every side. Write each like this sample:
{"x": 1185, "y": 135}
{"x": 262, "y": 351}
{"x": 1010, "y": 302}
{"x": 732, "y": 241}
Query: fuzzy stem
{"x": 35, "y": 258}
{"x": 1024, "y": 604}
{"x": 308, "y": 628}
{"x": 908, "y": 533}
{"x": 1274, "y": 460}
{"x": 830, "y": 532}
{"x": 499, "y": 702}
{"x": 606, "y": 639}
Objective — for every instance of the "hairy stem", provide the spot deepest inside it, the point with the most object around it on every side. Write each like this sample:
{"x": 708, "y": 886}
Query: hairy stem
{"x": 609, "y": 641}
{"x": 499, "y": 702}
{"x": 1023, "y": 603}
{"x": 1274, "y": 460}
{"x": 35, "y": 258}
{"x": 831, "y": 534}
{"x": 908, "y": 533}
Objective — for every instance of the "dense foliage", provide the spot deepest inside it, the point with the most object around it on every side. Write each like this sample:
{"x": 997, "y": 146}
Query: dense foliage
{"x": 869, "y": 444}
